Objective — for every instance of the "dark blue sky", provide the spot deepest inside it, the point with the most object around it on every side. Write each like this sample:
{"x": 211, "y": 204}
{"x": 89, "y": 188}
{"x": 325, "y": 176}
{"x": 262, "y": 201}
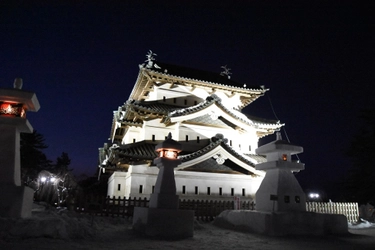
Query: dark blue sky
{"x": 82, "y": 61}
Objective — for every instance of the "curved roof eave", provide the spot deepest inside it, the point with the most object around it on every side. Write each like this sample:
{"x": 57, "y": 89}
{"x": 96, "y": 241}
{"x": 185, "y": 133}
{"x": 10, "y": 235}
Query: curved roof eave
{"x": 241, "y": 89}
{"x": 224, "y": 153}
{"x": 215, "y": 105}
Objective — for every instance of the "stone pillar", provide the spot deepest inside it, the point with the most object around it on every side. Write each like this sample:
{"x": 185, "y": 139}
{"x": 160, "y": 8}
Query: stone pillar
{"x": 164, "y": 195}
{"x": 163, "y": 219}
{"x": 16, "y": 200}
{"x": 280, "y": 190}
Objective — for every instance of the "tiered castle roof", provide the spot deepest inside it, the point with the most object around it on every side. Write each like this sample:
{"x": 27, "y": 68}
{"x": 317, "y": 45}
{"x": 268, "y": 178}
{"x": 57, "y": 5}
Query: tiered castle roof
{"x": 210, "y": 112}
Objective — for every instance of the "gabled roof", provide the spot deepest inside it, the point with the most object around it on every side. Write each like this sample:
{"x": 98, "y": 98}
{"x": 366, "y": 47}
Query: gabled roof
{"x": 151, "y": 107}
{"x": 145, "y": 151}
{"x": 197, "y": 75}
{"x": 135, "y": 112}
{"x": 220, "y": 149}
{"x": 133, "y": 153}
{"x": 160, "y": 73}
{"x": 231, "y": 115}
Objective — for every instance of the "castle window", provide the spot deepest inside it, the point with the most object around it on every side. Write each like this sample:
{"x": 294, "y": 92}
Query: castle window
{"x": 273, "y": 197}
{"x": 183, "y": 189}
{"x": 153, "y": 137}
{"x": 118, "y": 187}
{"x": 243, "y": 192}
{"x": 198, "y": 139}
{"x": 196, "y": 190}
{"x": 118, "y": 131}
{"x": 220, "y": 191}
{"x": 286, "y": 199}
{"x": 186, "y": 138}
{"x": 297, "y": 199}
{"x": 153, "y": 189}
{"x": 133, "y": 140}
{"x": 140, "y": 189}
{"x": 163, "y": 98}
{"x": 208, "y": 191}
{"x": 232, "y": 191}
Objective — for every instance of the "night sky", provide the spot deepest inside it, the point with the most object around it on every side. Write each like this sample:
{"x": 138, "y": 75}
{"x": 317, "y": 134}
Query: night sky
{"x": 82, "y": 62}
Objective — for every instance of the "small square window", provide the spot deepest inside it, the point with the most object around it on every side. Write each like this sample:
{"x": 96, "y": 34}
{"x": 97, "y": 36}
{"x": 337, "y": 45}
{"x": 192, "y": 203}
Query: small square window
{"x": 286, "y": 199}
{"x": 297, "y": 199}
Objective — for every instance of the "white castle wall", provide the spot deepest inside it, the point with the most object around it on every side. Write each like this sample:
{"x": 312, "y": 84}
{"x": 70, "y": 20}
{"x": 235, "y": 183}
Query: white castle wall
{"x": 140, "y": 179}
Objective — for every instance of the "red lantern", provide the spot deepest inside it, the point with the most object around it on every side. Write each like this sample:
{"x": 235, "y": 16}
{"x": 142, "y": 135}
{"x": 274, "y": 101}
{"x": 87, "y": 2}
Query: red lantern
{"x": 9, "y": 109}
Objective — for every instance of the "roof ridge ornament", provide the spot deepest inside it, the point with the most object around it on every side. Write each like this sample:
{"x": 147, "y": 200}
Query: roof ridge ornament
{"x": 278, "y": 136}
{"x": 226, "y": 71}
{"x": 150, "y": 59}
{"x": 219, "y": 137}
{"x": 18, "y": 83}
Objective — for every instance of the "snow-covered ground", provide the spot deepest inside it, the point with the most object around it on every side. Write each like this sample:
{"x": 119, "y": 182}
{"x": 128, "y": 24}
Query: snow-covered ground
{"x": 61, "y": 229}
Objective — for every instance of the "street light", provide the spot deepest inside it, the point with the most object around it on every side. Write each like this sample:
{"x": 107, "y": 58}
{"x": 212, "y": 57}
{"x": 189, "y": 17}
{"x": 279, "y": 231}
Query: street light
{"x": 314, "y": 196}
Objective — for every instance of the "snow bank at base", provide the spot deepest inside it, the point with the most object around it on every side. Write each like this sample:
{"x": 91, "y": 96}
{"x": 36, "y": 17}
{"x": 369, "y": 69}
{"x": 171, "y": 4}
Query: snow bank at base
{"x": 50, "y": 222}
{"x": 362, "y": 224}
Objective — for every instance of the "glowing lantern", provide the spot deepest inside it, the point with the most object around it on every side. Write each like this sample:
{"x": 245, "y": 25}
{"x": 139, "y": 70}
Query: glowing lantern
{"x": 12, "y": 109}
{"x": 285, "y": 157}
{"x": 169, "y": 148}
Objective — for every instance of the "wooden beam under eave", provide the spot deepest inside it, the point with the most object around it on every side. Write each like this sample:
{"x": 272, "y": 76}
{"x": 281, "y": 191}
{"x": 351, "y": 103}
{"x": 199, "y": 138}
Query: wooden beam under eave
{"x": 230, "y": 95}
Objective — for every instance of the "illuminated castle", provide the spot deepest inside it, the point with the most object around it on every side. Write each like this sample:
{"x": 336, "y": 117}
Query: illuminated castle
{"x": 202, "y": 111}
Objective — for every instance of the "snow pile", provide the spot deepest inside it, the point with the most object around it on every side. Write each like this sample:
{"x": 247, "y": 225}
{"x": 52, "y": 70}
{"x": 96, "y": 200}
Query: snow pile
{"x": 59, "y": 229}
{"x": 49, "y": 222}
{"x": 362, "y": 224}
